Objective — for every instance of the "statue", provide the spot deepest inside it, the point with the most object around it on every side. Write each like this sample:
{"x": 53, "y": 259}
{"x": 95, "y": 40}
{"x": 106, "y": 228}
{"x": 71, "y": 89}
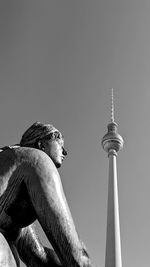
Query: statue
{"x": 30, "y": 189}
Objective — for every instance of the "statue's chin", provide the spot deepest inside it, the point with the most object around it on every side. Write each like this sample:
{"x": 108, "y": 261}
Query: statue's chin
{"x": 57, "y": 164}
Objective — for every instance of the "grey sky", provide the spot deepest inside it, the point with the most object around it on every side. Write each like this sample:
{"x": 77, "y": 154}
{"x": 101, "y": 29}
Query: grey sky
{"x": 58, "y": 63}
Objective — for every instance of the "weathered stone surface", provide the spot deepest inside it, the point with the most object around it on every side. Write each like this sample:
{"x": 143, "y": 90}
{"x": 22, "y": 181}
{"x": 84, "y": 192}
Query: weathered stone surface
{"x": 6, "y": 255}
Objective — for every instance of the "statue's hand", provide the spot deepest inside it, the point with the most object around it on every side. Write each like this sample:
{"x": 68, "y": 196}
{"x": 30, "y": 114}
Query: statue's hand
{"x": 52, "y": 258}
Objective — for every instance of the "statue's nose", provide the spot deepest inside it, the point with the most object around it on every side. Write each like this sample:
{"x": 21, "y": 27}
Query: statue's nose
{"x": 64, "y": 152}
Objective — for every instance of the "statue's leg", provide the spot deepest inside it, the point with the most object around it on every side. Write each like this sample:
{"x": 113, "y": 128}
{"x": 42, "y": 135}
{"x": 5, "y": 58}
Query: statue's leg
{"x": 46, "y": 193}
{"x": 32, "y": 252}
{"x": 7, "y": 257}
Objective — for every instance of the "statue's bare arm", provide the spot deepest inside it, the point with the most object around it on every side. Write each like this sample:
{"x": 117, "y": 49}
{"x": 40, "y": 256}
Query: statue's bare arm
{"x": 32, "y": 252}
{"x": 46, "y": 193}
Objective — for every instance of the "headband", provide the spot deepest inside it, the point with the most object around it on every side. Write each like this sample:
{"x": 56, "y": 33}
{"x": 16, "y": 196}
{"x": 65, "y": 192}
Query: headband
{"x": 35, "y": 132}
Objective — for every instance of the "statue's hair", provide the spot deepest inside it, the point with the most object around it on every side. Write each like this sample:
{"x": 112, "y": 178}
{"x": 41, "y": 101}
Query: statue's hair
{"x": 38, "y": 131}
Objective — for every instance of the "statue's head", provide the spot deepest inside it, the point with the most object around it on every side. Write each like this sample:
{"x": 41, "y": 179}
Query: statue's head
{"x": 46, "y": 138}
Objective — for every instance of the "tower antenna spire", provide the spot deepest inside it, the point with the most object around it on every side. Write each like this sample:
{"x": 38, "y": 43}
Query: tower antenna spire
{"x": 112, "y": 105}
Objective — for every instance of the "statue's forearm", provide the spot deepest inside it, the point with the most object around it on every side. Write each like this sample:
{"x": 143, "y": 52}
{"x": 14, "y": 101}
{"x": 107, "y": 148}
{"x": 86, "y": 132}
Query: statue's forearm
{"x": 31, "y": 251}
{"x": 48, "y": 199}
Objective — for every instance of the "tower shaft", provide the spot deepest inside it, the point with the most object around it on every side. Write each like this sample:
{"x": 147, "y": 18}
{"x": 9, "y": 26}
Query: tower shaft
{"x": 113, "y": 243}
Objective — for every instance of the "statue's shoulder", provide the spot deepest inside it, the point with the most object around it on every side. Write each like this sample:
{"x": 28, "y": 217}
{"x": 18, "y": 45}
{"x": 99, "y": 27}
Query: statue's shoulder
{"x": 31, "y": 157}
{"x": 23, "y": 153}
{"x": 29, "y": 153}
{"x": 34, "y": 157}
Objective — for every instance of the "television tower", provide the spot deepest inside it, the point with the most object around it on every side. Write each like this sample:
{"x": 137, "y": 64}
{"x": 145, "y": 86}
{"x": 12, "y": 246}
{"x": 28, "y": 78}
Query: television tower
{"x": 112, "y": 142}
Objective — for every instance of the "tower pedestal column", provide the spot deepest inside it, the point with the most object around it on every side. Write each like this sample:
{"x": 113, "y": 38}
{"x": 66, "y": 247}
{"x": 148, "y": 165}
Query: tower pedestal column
{"x": 113, "y": 243}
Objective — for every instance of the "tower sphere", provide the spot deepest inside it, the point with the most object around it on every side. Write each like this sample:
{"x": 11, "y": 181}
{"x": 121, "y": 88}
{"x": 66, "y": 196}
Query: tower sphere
{"x": 112, "y": 140}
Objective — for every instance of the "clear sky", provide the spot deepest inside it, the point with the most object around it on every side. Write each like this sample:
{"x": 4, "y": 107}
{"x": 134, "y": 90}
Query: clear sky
{"x": 58, "y": 63}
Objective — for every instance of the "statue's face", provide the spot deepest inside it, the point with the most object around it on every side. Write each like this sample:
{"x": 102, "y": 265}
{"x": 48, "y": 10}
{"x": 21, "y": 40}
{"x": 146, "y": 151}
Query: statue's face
{"x": 55, "y": 150}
